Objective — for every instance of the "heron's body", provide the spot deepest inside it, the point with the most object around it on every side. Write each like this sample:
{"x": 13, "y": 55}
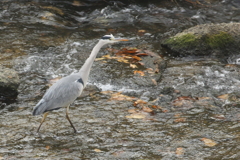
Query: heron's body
{"x": 66, "y": 90}
{"x": 58, "y": 96}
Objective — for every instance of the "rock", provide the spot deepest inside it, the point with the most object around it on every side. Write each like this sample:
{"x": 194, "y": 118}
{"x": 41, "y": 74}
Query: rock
{"x": 219, "y": 40}
{"x": 9, "y": 82}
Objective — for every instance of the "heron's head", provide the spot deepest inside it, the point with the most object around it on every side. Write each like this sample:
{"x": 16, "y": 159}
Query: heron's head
{"x": 111, "y": 39}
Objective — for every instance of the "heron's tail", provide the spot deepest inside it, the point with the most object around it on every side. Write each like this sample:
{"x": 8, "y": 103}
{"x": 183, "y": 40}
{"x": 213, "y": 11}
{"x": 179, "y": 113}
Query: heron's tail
{"x": 39, "y": 108}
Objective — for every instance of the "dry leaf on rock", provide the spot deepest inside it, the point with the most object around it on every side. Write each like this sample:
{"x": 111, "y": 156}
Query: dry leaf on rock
{"x": 133, "y": 65}
{"x": 136, "y": 115}
{"x": 147, "y": 109}
{"x": 209, "y": 142}
{"x": 139, "y": 101}
{"x": 120, "y": 97}
{"x": 179, "y": 151}
{"x": 47, "y": 147}
{"x": 97, "y": 150}
{"x": 224, "y": 96}
{"x": 141, "y": 73}
{"x": 180, "y": 120}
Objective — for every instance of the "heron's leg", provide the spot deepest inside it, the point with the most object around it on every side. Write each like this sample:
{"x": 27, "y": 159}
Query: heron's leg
{"x": 75, "y": 131}
{"x": 44, "y": 117}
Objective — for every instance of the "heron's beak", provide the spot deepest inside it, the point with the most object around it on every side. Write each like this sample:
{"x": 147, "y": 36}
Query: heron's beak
{"x": 120, "y": 39}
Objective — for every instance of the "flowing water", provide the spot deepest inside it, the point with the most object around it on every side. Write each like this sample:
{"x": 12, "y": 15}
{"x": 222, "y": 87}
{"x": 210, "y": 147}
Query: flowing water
{"x": 197, "y": 114}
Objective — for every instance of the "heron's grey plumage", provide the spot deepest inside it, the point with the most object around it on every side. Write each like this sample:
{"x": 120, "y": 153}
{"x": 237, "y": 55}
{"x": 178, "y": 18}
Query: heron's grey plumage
{"x": 66, "y": 90}
{"x": 60, "y": 94}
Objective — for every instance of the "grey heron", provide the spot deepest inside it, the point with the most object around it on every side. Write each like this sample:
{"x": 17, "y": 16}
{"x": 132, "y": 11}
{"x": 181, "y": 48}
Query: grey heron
{"x": 67, "y": 89}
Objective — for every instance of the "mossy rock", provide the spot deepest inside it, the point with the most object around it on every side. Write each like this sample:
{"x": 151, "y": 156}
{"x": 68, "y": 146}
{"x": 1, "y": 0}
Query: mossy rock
{"x": 207, "y": 39}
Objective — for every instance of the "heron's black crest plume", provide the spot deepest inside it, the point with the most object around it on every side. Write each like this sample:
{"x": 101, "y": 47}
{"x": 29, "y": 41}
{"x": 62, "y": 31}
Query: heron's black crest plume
{"x": 107, "y": 37}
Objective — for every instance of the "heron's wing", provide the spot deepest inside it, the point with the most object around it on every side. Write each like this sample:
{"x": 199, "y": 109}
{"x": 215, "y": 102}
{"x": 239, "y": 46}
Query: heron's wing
{"x": 61, "y": 94}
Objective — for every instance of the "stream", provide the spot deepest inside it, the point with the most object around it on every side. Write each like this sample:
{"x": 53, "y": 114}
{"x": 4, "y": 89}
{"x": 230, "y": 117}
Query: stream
{"x": 192, "y": 112}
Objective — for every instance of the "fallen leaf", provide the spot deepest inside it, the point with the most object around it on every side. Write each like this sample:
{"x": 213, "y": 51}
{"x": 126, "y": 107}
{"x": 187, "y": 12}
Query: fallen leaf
{"x": 47, "y": 147}
{"x": 185, "y": 98}
{"x": 136, "y": 116}
{"x": 76, "y": 3}
{"x": 122, "y": 59}
{"x": 141, "y": 73}
{"x": 154, "y": 82}
{"x": 59, "y": 11}
{"x": 142, "y": 31}
{"x": 204, "y": 98}
{"x": 165, "y": 110}
{"x": 118, "y": 153}
{"x": 150, "y": 53}
{"x": 218, "y": 117}
{"x": 177, "y": 115}
{"x": 133, "y": 66}
{"x": 139, "y": 101}
{"x": 156, "y": 107}
{"x": 147, "y": 109}
{"x": 132, "y": 111}
{"x": 224, "y": 96}
{"x": 99, "y": 59}
{"x": 141, "y": 54}
{"x": 107, "y": 92}
{"x": 141, "y": 63}
{"x": 97, "y": 150}
{"x": 180, "y": 120}
{"x": 137, "y": 58}
{"x": 120, "y": 97}
{"x": 179, "y": 151}
{"x": 208, "y": 142}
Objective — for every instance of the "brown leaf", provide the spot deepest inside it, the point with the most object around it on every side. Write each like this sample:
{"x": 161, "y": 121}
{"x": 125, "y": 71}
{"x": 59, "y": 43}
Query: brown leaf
{"x": 141, "y": 73}
{"x": 120, "y": 97}
{"x": 97, "y": 150}
{"x": 147, "y": 109}
{"x": 47, "y": 147}
{"x": 118, "y": 153}
{"x": 55, "y": 9}
{"x": 141, "y": 54}
{"x": 76, "y": 3}
{"x": 136, "y": 116}
{"x": 122, "y": 59}
{"x": 137, "y": 58}
{"x": 156, "y": 107}
{"x": 154, "y": 82}
{"x": 133, "y": 66}
{"x": 180, "y": 120}
{"x": 224, "y": 96}
{"x": 142, "y": 31}
{"x": 208, "y": 142}
{"x": 150, "y": 53}
{"x": 141, "y": 63}
{"x": 139, "y": 101}
{"x": 132, "y": 110}
{"x": 218, "y": 117}
{"x": 179, "y": 151}
{"x": 185, "y": 98}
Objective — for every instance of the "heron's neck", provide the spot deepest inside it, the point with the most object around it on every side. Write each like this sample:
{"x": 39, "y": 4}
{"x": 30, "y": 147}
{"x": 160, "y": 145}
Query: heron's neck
{"x": 85, "y": 70}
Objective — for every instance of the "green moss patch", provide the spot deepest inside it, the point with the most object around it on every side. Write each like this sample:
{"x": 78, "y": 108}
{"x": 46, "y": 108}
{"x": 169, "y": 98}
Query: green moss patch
{"x": 220, "y": 40}
{"x": 183, "y": 41}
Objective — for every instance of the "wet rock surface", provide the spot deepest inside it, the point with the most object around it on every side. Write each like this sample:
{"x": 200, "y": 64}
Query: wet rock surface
{"x": 189, "y": 109}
